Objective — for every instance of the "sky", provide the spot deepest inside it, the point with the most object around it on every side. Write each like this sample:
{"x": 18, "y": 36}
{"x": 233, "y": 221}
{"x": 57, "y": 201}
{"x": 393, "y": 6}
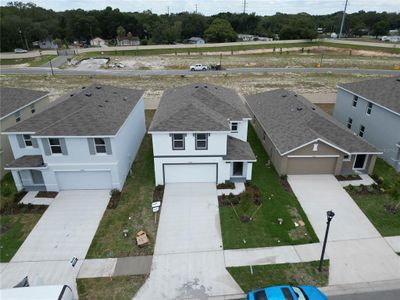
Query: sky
{"x": 210, "y": 7}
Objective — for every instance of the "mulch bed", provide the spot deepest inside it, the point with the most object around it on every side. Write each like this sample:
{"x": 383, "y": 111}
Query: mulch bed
{"x": 347, "y": 177}
{"x": 158, "y": 193}
{"x": 114, "y": 200}
{"x": 43, "y": 194}
{"x": 226, "y": 186}
{"x": 285, "y": 184}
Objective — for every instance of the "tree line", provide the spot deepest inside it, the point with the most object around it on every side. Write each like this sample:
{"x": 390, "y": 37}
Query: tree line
{"x": 23, "y": 23}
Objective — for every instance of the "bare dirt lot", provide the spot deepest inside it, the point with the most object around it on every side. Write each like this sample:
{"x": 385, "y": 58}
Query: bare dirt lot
{"x": 318, "y": 88}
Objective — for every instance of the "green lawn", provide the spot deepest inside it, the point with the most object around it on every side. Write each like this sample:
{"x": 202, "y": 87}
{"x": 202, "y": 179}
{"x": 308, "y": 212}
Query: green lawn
{"x": 264, "y": 230}
{"x": 14, "y": 228}
{"x": 117, "y": 288}
{"x": 133, "y": 212}
{"x": 374, "y": 205}
{"x": 31, "y": 61}
{"x": 281, "y": 274}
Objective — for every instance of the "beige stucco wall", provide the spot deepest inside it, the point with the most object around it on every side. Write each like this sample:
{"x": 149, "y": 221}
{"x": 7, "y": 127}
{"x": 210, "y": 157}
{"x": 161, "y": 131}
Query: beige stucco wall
{"x": 6, "y": 155}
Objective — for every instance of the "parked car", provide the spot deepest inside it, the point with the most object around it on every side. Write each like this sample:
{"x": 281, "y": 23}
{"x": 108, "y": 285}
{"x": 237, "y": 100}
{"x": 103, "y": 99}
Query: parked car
{"x": 117, "y": 66}
{"x": 287, "y": 292}
{"x": 20, "y": 50}
{"x": 48, "y": 292}
{"x": 198, "y": 67}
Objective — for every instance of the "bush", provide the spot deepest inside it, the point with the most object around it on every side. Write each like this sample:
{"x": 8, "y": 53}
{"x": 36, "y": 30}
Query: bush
{"x": 115, "y": 197}
{"x": 6, "y": 190}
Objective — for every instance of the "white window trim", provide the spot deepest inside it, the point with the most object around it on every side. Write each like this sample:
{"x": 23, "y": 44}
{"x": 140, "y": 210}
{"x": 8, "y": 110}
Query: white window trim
{"x": 369, "y": 109}
{"x": 347, "y": 159}
{"x": 51, "y": 146}
{"x": 30, "y": 139}
{"x": 205, "y": 140}
{"x": 349, "y": 122}
{"x": 237, "y": 127}
{"x": 100, "y": 145}
{"x": 365, "y": 162}
{"x": 173, "y": 141}
{"x": 355, "y": 101}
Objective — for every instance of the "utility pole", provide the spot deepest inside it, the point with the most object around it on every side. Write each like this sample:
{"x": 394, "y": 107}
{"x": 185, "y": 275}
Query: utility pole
{"x": 342, "y": 23}
{"x": 168, "y": 10}
{"x": 196, "y": 8}
{"x": 244, "y": 6}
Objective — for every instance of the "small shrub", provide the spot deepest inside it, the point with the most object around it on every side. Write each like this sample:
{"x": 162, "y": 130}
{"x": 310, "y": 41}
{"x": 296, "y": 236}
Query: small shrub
{"x": 18, "y": 196}
{"x": 115, "y": 197}
{"x": 370, "y": 189}
{"x": 6, "y": 190}
{"x": 244, "y": 219}
{"x": 358, "y": 189}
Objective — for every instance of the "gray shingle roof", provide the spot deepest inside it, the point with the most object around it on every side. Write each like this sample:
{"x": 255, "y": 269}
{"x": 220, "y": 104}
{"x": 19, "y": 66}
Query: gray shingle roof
{"x": 13, "y": 99}
{"x": 27, "y": 161}
{"x": 239, "y": 150}
{"x": 292, "y": 121}
{"x": 92, "y": 111}
{"x": 198, "y": 107}
{"x": 385, "y": 92}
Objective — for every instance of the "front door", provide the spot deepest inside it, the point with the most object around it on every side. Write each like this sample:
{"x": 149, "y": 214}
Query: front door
{"x": 237, "y": 169}
{"x": 359, "y": 163}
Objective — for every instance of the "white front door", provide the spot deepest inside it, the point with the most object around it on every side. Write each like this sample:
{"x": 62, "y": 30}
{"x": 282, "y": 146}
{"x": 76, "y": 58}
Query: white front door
{"x": 176, "y": 173}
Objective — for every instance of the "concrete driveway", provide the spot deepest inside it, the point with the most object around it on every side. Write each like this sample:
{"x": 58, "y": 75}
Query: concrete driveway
{"x": 188, "y": 261}
{"x": 356, "y": 250}
{"x": 65, "y": 230}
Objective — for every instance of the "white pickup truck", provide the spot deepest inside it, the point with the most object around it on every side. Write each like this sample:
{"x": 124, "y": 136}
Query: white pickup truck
{"x": 198, "y": 67}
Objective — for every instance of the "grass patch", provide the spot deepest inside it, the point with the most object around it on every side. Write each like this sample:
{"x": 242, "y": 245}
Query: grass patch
{"x": 133, "y": 211}
{"x": 31, "y": 61}
{"x": 375, "y": 205}
{"x": 264, "y": 230}
{"x": 281, "y": 274}
{"x": 121, "y": 287}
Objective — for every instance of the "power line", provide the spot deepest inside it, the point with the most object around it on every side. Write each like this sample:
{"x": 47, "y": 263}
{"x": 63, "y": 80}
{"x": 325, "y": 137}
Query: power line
{"x": 342, "y": 23}
{"x": 244, "y": 6}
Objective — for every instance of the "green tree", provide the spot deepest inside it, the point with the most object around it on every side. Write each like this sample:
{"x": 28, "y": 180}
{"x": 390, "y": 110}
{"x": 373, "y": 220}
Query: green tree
{"x": 380, "y": 28}
{"x": 220, "y": 31}
{"x": 121, "y": 32}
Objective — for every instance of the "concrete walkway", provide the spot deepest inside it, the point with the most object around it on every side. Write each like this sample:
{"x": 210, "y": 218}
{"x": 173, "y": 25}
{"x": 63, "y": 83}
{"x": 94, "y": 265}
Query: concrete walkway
{"x": 357, "y": 252}
{"x": 365, "y": 180}
{"x": 30, "y": 198}
{"x": 188, "y": 260}
{"x": 394, "y": 242}
{"x": 239, "y": 188}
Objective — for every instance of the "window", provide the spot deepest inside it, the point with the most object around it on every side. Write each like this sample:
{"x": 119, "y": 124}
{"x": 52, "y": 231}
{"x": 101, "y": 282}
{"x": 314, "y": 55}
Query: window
{"x": 100, "y": 145}
{"x": 33, "y": 109}
{"x": 238, "y": 168}
{"x": 178, "y": 141}
{"x": 260, "y": 295}
{"x": 355, "y": 99}
{"x": 55, "y": 146}
{"x": 17, "y": 116}
{"x": 315, "y": 147}
{"x": 349, "y": 123}
{"x": 369, "y": 108}
{"x": 201, "y": 141}
{"x": 27, "y": 140}
{"x": 346, "y": 157}
{"x": 359, "y": 162}
{"x": 287, "y": 294}
{"x": 362, "y": 131}
{"x": 234, "y": 126}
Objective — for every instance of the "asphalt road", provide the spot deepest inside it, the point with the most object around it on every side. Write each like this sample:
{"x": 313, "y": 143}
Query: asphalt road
{"x": 384, "y": 295}
{"x": 127, "y": 73}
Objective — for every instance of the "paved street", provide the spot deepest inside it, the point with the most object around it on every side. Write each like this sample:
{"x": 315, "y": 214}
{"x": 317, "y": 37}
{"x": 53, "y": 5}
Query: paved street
{"x": 384, "y": 295}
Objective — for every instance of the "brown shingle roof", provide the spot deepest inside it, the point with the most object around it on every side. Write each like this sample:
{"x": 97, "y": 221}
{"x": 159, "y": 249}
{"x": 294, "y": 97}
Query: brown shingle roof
{"x": 27, "y": 161}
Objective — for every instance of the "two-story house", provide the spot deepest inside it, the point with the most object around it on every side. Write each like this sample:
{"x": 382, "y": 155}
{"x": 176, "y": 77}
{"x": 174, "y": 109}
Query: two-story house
{"x": 371, "y": 109}
{"x": 17, "y": 105}
{"x": 300, "y": 138}
{"x": 199, "y": 134}
{"x": 86, "y": 141}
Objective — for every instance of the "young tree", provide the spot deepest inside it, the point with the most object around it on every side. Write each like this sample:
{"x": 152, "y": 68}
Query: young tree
{"x": 121, "y": 32}
{"x": 220, "y": 31}
{"x": 380, "y": 28}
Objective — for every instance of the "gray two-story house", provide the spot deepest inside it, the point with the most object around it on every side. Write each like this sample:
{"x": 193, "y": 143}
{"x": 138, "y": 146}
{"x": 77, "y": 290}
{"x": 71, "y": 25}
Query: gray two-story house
{"x": 371, "y": 109}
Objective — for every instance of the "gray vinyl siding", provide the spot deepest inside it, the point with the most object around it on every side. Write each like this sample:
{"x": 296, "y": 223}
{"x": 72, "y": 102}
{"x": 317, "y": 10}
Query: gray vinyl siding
{"x": 382, "y": 127}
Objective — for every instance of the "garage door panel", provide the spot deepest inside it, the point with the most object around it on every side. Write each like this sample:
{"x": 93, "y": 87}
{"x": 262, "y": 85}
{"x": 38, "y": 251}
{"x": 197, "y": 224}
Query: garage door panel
{"x": 175, "y": 173}
{"x": 83, "y": 180}
{"x": 311, "y": 165}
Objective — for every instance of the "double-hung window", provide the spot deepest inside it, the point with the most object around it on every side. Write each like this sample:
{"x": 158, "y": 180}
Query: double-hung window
{"x": 55, "y": 146}
{"x": 234, "y": 127}
{"x": 27, "y": 140}
{"x": 201, "y": 141}
{"x": 178, "y": 141}
{"x": 369, "y": 108}
{"x": 355, "y": 100}
{"x": 17, "y": 116}
{"x": 362, "y": 131}
{"x": 100, "y": 145}
{"x": 349, "y": 123}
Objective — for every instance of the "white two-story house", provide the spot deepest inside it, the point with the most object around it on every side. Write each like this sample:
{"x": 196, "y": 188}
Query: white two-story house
{"x": 86, "y": 141}
{"x": 199, "y": 134}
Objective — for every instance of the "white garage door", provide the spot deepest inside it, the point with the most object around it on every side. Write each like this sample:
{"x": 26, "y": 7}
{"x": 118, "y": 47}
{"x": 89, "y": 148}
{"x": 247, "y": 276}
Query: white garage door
{"x": 84, "y": 180}
{"x": 190, "y": 173}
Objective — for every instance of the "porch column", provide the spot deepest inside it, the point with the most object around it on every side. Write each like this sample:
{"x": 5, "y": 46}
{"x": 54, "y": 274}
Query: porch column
{"x": 371, "y": 164}
{"x": 17, "y": 180}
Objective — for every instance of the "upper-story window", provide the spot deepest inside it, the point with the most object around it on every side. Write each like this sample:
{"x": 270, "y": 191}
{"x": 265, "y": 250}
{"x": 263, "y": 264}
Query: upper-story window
{"x": 55, "y": 146}
{"x": 349, "y": 123}
{"x": 362, "y": 131}
{"x": 17, "y": 116}
{"x": 201, "y": 141}
{"x": 234, "y": 127}
{"x": 355, "y": 100}
{"x": 369, "y": 108}
{"x": 33, "y": 109}
{"x": 100, "y": 145}
{"x": 178, "y": 141}
{"x": 27, "y": 140}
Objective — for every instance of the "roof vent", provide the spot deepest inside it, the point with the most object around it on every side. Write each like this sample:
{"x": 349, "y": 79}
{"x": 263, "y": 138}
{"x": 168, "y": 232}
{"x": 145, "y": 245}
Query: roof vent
{"x": 299, "y": 108}
{"x": 88, "y": 94}
{"x": 106, "y": 101}
{"x": 295, "y": 95}
{"x": 196, "y": 87}
{"x": 284, "y": 96}
{"x": 115, "y": 92}
{"x": 206, "y": 87}
{"x": 125, "y": 98}
{"x": 313, "y": 108}
{"x": 84, "y": 87}
{"x": 98, "y": 87}
{"x": 71, "y": 95}
{"x": 100, "y": 105}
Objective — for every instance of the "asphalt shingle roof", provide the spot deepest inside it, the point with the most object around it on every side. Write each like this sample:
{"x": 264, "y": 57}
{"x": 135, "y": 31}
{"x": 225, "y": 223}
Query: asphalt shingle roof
{"x": 198, "y": 107}
{"x": 13, "y": 99}
{"x": 239, "y": 150}
{"x": 92, "y": 111}
{"x": 292, "y": 121}
{"x": 27, "y": 161}
{"x": 385, "y": 91}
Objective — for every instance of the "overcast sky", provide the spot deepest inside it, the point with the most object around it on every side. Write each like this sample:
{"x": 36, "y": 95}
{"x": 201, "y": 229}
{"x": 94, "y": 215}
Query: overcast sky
{"x": 209, "y": 7}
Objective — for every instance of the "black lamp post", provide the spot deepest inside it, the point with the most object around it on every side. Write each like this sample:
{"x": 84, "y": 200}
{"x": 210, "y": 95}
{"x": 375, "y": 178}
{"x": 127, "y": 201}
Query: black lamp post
{"x": 329, "y": 215}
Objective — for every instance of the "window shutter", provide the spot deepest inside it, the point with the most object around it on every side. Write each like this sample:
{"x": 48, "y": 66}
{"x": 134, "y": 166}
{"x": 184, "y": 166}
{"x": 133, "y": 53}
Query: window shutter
{"x": 34, "y": 143}
{"x": 20, "y": 140}
{"x": 46, "y": 146}
{"x": 92, "y": 150}
{"x": 63, "y": 147}
{"x": 108, "y": 146}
